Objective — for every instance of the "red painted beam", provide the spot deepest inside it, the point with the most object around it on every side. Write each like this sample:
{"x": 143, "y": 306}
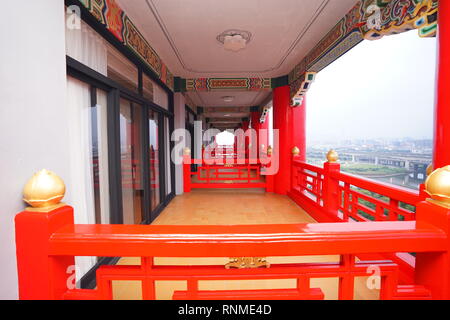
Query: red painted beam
{"x": 277, "y": 294}
{"x": 262, "y": 240}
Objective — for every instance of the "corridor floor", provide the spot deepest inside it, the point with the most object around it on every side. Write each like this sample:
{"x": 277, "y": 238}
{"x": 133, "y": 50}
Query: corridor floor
{"x": 231, "y": 207}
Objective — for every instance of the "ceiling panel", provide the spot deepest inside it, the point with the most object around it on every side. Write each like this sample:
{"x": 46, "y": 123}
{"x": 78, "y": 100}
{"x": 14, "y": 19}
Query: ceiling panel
{"x": 241, "y": 99}
{"x": 184, "y": 32}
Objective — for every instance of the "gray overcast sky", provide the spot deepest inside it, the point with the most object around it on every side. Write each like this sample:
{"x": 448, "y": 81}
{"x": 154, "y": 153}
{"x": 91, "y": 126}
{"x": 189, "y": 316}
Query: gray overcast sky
{"x": 380, "y": 89}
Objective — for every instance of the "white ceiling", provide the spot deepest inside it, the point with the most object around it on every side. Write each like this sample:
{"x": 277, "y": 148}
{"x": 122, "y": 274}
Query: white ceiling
{"x": 184, "y": 32}
{"x": 241, "y": 98}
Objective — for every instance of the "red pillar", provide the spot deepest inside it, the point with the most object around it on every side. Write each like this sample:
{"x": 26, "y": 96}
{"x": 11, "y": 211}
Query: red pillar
{"x": 264, "y": 134}
{"x": 245, "y": 127}
{"x": 187, "y": 161}
{"x": 282, "y": 150}
{"x": 291, "y": 123}
{"x": 299, "y": 129}
{"x": 41, "y": 276}
{"x": 442, "y": 107}
{"x": 255, "y": 117}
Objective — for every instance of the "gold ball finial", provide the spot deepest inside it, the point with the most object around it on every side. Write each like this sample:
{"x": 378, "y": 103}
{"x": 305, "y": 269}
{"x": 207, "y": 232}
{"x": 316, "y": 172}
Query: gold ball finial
{"x": 45, "y": 189}
{"x": 187, "y": 151}
{"x": 295, "y": 151}
{"x": 332, "y": 156}
{"x": 269, "y": 150}
{"x": 430, "y": 169}
{"x": 438, "y": 185}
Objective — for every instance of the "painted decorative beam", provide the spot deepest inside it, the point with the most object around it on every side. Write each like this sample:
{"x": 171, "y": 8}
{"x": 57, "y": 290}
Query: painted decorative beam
{"x": 218, "y": 84}
{"x": 368, "y": 19}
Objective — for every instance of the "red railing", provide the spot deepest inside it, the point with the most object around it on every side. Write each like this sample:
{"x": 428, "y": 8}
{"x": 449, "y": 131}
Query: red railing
{"x": 228, "y": 173}
{"x": 329, "y": 195}
{"x": 385, "y": 206}
{"x": 47, "y": 243}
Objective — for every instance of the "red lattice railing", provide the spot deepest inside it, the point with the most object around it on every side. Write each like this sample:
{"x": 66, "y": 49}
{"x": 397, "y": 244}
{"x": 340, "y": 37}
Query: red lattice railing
{"x": 219, "y": 173}
{"x": 47, "y": 243}
{"x": 330, "y": 195}
{"x": 386, "y": 202}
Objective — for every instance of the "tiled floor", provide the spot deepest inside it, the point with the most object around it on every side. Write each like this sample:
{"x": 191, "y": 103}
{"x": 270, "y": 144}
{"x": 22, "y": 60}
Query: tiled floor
{"x": 233, "y": 207}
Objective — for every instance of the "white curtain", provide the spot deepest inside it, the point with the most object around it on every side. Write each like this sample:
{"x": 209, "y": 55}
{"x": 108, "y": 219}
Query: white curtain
{"x": 78, "y": 104}
{"x": 102, "y": 123}
{"x": 87, "y": 47}
{"x": 168, "y": 160}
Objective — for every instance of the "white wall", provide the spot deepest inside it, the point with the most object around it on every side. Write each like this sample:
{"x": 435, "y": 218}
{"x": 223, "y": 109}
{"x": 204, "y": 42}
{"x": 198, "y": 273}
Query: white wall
{"x": 33, "y": 119}
{"x": 180, "y": 123}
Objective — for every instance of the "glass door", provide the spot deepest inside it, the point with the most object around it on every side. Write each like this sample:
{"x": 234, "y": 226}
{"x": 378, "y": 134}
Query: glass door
{"x": 131, "y": 162}
{"x": 154, "y": 152}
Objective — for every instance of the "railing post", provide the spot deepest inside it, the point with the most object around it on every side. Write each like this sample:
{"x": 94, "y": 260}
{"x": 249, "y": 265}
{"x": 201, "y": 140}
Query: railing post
{"x": 187, "y": 160}
{"x": 41, "y": 276}
{"x": 270, "y": 178}
{"x": 330, "y": 188}
{"x": 433, "y": 268}
{"x": 294, "y": 172}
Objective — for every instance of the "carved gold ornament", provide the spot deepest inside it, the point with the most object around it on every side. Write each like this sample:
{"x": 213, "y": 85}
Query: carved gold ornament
{"x": 332, "y": 156}
{"x": 247, "y": 263}
{"x": 44, "y": 190}
{"x": 295, "y": 151}
{"x": 437, "y": 186}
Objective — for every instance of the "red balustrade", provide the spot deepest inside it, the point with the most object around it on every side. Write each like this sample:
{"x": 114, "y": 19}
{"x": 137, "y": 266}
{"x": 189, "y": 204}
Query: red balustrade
{"x": 228, "y": 173}
{"x": 330, "y": 195}
{"x": 47, "y": 243}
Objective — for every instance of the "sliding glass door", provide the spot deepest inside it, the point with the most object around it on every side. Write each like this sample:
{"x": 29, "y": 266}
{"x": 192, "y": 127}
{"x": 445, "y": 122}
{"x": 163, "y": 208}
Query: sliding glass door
{"x": 155, "y": 156}
{"x": 131, "y": 162}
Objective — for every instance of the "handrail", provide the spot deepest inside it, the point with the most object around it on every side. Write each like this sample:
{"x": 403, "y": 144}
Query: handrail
{"x": 307, "y": 166}
{"x": 400, "y": 193}
{"x": 47, "y": 243}
{"x": 340, "y": 179}
{"x": 249, "y": 240}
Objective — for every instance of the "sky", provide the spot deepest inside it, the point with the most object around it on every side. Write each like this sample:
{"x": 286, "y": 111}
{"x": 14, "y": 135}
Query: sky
{"x": 379, "y": 89}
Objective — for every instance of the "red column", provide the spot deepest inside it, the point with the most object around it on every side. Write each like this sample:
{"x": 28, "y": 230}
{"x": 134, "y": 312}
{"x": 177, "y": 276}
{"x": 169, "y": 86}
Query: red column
{"x": 264, "y": 134}
{"x": 255, "y": 117}
{"x": 299, "y": 129}
{"x": 187, "y": 161}
{"x": 442, "y": 107}
{"x": 245, "y": 127}
{"x": 41, "y": 276}
{"x": 282, "y": 150}
{"x": 291, "y": 123}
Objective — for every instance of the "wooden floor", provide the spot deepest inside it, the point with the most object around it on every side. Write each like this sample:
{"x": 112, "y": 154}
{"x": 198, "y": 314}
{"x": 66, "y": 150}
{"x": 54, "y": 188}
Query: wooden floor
{"x": 231, "y": 207}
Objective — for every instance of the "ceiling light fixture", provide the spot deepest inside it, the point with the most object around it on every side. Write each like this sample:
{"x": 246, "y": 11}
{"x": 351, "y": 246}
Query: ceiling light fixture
{"x": 228, "y": 99}
{"x": 234, "y": 40}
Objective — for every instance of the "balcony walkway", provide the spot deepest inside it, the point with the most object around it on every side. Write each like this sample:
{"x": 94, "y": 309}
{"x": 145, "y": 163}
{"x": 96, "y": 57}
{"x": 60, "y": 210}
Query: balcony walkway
{"x": 231, "y": 207}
